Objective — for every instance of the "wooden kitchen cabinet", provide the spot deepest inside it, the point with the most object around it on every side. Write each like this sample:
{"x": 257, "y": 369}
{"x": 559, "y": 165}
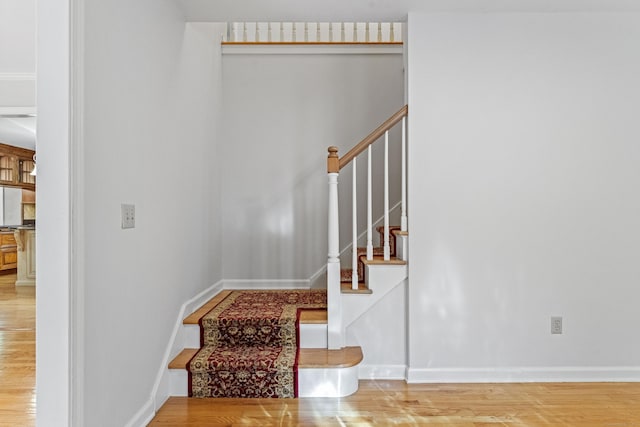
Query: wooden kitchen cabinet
{"x": 16, "y": 165}
{"x": 8, "y": 251}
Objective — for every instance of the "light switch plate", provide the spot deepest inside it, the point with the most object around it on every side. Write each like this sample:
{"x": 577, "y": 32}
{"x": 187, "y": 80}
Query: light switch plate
{"x": 556, "y": 325}
{"x": 128, "y": 216}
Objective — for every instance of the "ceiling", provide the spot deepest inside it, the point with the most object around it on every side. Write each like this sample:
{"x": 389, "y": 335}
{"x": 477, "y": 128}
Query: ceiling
{"x": 19, "y": 131}
{"x": 379, "y": 10}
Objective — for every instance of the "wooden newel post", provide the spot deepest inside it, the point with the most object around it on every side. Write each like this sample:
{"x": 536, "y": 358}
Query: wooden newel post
{"x": 333, "y": 161}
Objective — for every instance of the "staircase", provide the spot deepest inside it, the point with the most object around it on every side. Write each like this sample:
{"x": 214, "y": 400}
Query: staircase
{"x": 327, "y": 365}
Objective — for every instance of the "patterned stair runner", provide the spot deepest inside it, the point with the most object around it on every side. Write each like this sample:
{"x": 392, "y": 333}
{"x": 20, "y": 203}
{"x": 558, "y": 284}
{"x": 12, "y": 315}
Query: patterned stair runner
{"x": 250, "y": 344}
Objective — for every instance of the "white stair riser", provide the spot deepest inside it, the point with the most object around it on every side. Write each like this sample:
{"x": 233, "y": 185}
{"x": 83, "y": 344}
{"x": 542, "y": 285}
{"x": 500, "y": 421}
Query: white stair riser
{"x": 383, "y": 278}
{"x": 191, "y": 336}
{"x": 327, "y": 382}
{"x": 311, "y": 336}
{"x": 178, "y": 382}
{"x": 312, "y": 382}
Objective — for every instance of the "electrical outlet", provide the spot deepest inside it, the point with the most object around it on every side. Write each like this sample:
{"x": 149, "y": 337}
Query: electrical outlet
{"x": 128, "y": 216}
{"x": 556, "y": 324}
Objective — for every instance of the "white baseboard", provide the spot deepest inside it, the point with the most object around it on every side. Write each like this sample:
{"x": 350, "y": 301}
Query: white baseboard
{"x": 266, "y": 284}
{"x": 382, "y": 372}
{"x": 202, "y": 298}
{"x": 525, "y": 374}
{"x": 161, "y": 388}
{"x": 143, "y": 416}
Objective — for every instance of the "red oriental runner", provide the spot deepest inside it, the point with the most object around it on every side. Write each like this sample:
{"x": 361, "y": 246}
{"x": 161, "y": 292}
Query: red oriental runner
{"x": 250, "y": 344}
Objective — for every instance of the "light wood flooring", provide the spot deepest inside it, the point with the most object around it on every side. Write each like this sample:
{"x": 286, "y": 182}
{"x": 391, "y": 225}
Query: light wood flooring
{"x": 394, "y": 403}
{"x": 376, "y": 403}
{"x": 17, "y": 353}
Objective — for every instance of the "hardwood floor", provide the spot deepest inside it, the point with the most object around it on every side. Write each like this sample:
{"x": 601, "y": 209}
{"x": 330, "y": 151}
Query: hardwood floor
{"x": 17, "y": 353}
{"x": 383, "y": 403}
{"x": 376, "y": 403}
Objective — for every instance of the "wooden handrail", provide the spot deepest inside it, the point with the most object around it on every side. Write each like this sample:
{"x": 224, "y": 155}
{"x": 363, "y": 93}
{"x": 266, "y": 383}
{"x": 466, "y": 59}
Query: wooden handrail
{"x": 372, "y": 137}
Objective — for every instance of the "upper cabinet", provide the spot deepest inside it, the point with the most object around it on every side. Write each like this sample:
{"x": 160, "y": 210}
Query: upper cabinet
{"x": 16, "y": 165}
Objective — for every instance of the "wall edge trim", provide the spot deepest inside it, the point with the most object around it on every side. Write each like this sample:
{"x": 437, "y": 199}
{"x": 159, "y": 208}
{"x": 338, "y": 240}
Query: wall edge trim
{"x": 524, "y": 374}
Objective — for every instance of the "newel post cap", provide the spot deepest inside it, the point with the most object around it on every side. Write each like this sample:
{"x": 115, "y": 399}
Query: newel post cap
{"x": 333, "y": 162}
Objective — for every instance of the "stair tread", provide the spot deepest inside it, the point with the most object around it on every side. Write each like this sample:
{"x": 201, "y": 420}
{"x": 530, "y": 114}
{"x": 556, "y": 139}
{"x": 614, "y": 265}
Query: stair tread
{"x": 380, "y": 228}
{"x": 345, "y": 287}
{"x": 376, "y": 250}
{"x": 400, "y": 232}
{"x": 195, "y": 317}
{"x": 313, "y": 316}
{"x": 323, "y": 358}
{"x": 308, "y": 358}
{"x": 379, "y": 260}
{"x": 181, "y": 360}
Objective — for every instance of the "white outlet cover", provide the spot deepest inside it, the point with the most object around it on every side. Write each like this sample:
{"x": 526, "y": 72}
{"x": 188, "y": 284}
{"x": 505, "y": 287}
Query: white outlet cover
{"x": 128, "y": 215}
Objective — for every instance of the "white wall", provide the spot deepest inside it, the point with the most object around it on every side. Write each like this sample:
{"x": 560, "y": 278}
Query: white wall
{"x": 17, "y": 59}
{"x": 524, "y": 196}
{"x": 381, "y": 332}
{"x": 151, "y": 101}
{"x": 18, "y": 35}
{"x": 281, "y": 112}
{"x": 53, "y": 304}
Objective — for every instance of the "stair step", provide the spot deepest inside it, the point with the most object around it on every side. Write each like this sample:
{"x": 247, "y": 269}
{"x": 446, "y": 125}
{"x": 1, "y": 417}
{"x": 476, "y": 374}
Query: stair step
{"x": 392, "y": 228}
{"x": 181, "y": 360}
{"x": 195, "y": 317}
{"x": 379, "y": 260}
{"x": 377, "y": 250}
{"x": 346, "y": 274}
{"x": 319, "y": 358}
{"x": 308, "y": 316}
{"x": 345, "y": 288}
{"x": 308, "y": 358}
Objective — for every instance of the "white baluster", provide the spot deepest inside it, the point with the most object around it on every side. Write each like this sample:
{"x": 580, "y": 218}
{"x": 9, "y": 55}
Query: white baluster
{"x": 294, "y": 32}
{"x": 330, "y": 32}
{"x": 257, "y": 37}
{"x": 318, "y": 32}
{"x": 335, "y": 335}
{"x": 366, "y": 33}
{"x": 379, "y": 32}
{"x": 354, "y": 205}
{"x": 355, "y": 32}
{"x": 269, "y": 33}
{"x": 342, "y": 34}
{"x": 403, "y": 206}
{"x": 334, "y": 250}
{"x": 281, "y": 32}
{"x": 244, "y": 32}
{"x": 391, "y": 32}
{"x": 369, "y": 208}
{"x": 386, "y": 247}
{"x": 306, "y": 31}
